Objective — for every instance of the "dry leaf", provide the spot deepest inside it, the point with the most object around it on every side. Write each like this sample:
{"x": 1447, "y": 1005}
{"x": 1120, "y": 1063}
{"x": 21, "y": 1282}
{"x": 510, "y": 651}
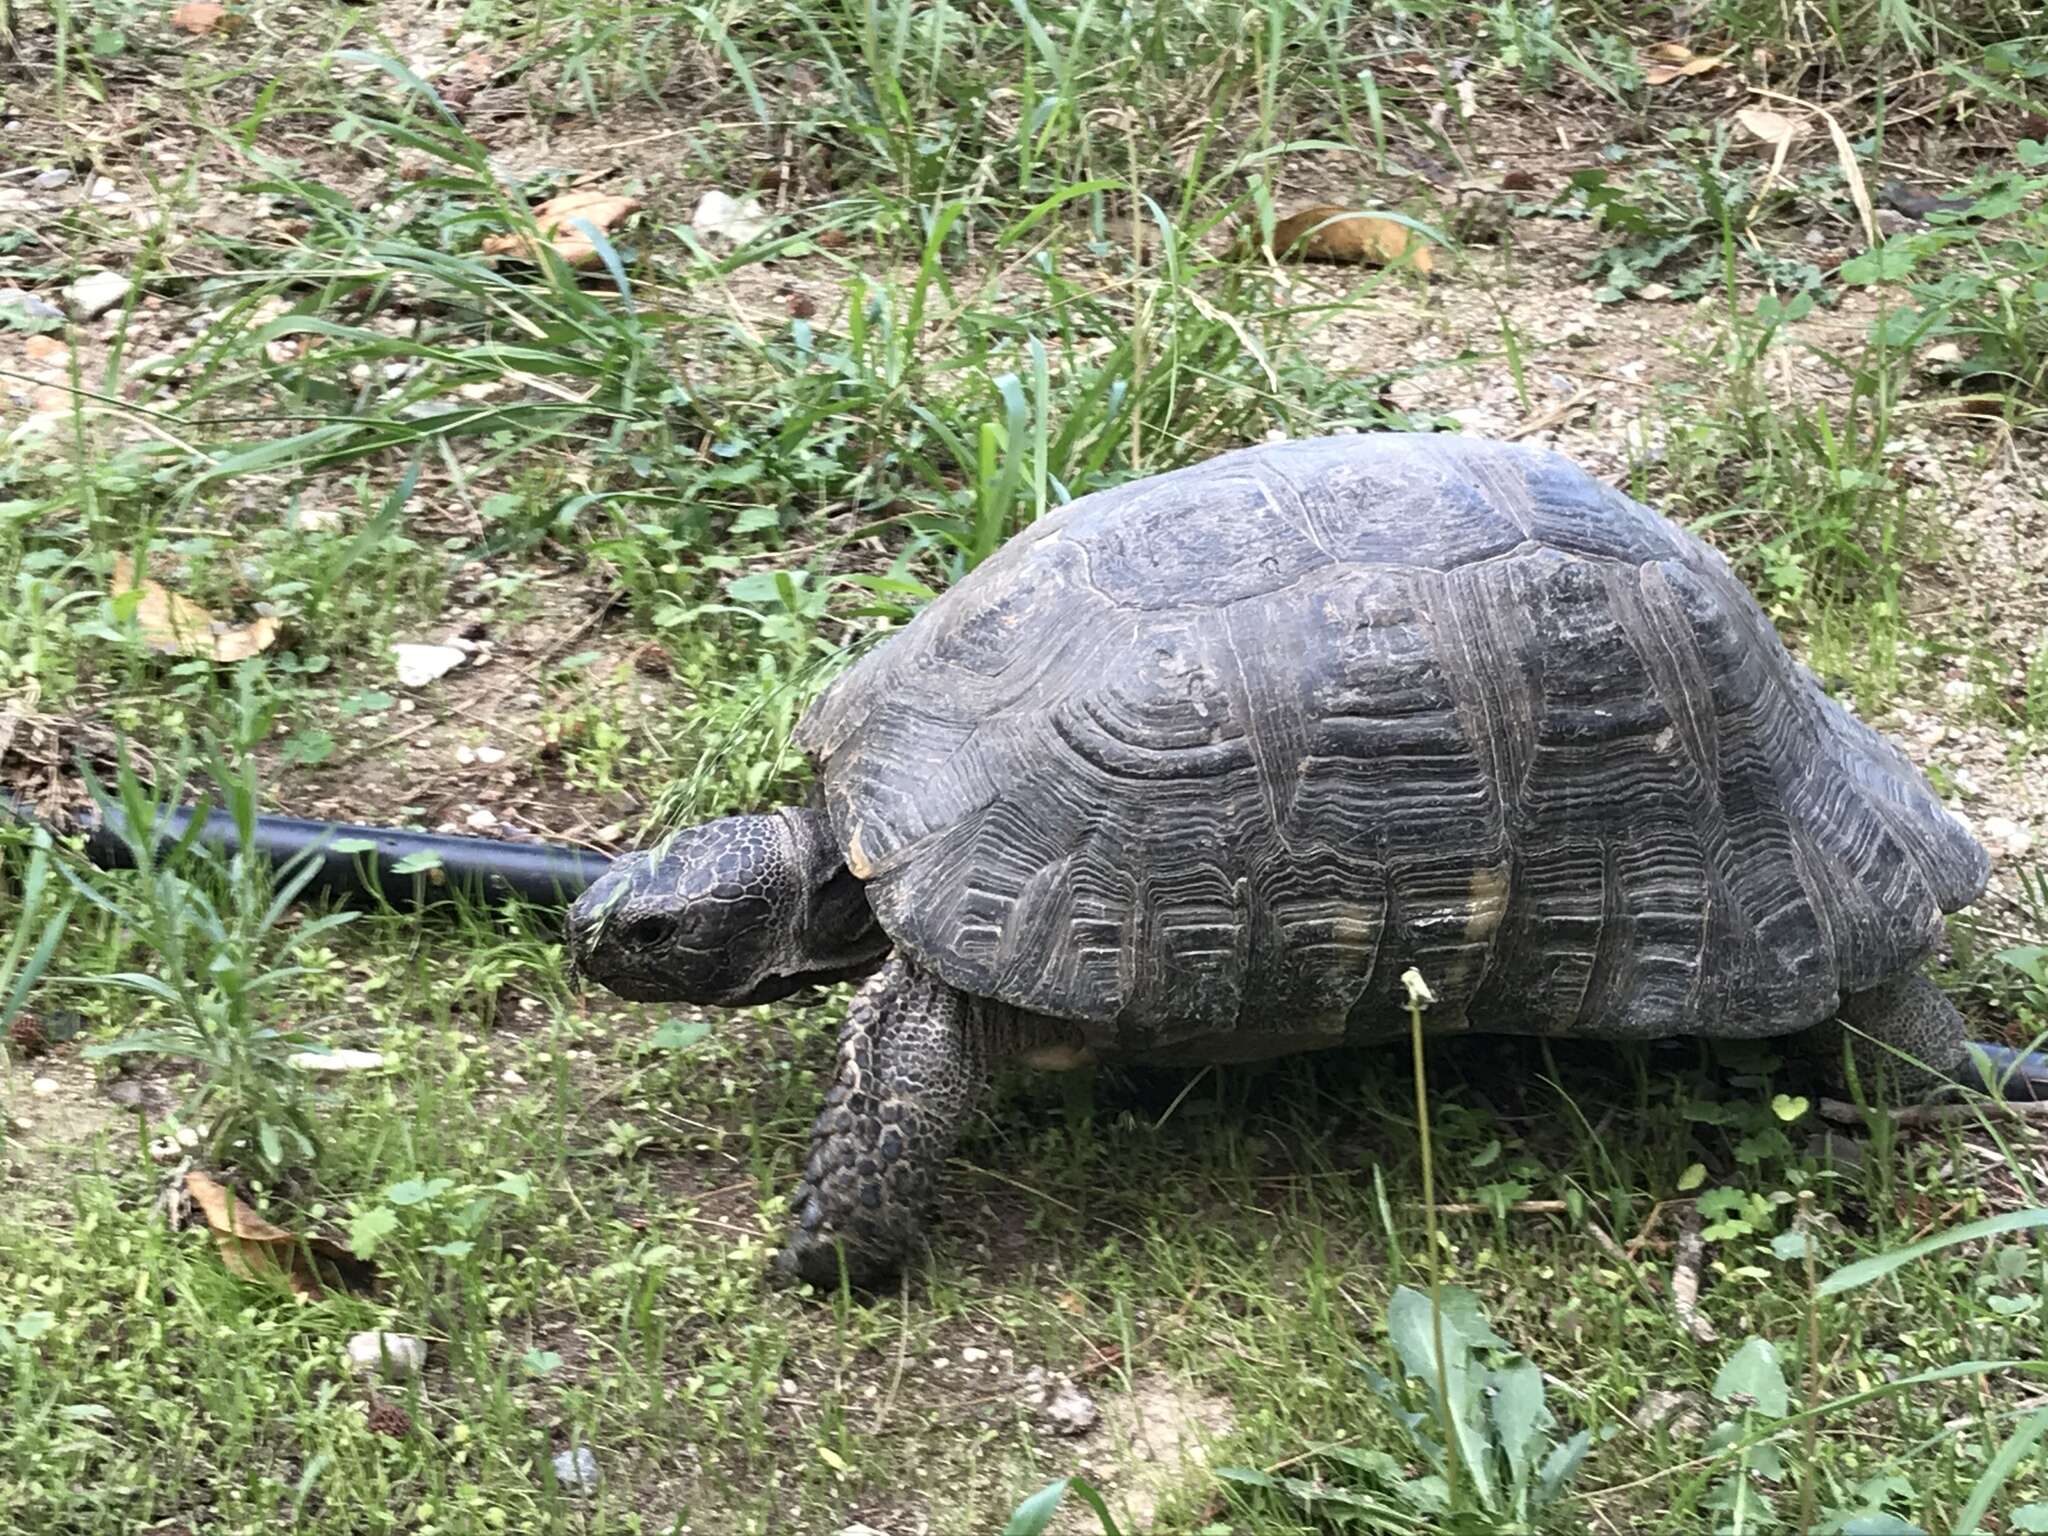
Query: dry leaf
{"x": 554, "y": 218}
{"x": 199, "y": 17}
{"x": 258, "y": 1250}
{"x": 1852, "y": 173}
{"x": 177, "y": 626}
{"x": 1776, "y": 130}
{"x": 1771, "y": 127}
{"x": 1664, "y": 74}
{"x": 1344, "y": 236}
{"x": 1675, "y": 61}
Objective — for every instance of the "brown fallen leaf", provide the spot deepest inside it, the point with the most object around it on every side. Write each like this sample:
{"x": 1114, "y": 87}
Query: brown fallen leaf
{"x": 199, "y": 17}
{"x": 1778, "y": 131}
{"x": 601, "y": 210}
{"x": 1773, "y": 128}
{"x": 43, "y": 349}
{"x": 1327, "y": 232}
{"x": 259, "y": 1250}
{"x": 176, "y": 626}
{"x": 1675, "y": 61}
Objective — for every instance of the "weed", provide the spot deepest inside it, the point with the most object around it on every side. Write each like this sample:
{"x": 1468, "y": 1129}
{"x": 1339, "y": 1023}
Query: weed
{"x": 213, "y": 926}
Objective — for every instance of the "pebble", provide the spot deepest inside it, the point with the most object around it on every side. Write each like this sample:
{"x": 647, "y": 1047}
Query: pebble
{"x": 397, "y": 1355}
{"x": 419, "y": 665}
{"x": 29, "y": 304}
{"x": 858, "y": 1529}
{"x": 577, "y": 1468}
{"x": 480, "y": 820}
{"x": 972, "y": 1356}
{"x": 96, "y": 293}
{"x": 511, "y": 1079}
{"x": 43, "y": 1087}
{"x": 490, "y": 757}
{"x": 1069, "y": 1410}
{"x": 2008, "y": 837}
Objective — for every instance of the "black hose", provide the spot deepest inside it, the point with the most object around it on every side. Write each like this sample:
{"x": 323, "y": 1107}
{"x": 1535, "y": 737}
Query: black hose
{"x": 489, "y": 868}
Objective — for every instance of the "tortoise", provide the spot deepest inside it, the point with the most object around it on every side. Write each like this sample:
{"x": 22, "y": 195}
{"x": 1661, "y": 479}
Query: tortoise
{"x": 1199, "y": 767}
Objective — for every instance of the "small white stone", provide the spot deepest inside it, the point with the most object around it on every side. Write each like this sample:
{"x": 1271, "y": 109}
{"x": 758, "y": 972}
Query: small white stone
{"x": 726, "y": 217}
{"x": 164, "y": 1149}
{"x": 397, "y": 1355}
{"x": 972, "y": 1356}
{"x": 419, "y": 665}
{"x": 2008, "y": 837}
{"x": 464, "y": 756}
{"x": 490, "y": 757}
{"x": 43, "y": 1087}
{"x": 577, "y": 1468}
{"x": 858, "y": 1529}
{"x": 96, "y": 293}
{"x": 29, "y": 305}
{"x": 188, "y": 1136}
{"x": 480, "y": 820}
{"x": 1070, "y": 1410}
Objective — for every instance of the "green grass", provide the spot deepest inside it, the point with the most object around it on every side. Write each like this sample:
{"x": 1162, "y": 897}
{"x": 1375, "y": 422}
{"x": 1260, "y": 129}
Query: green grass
{"x": 1008, "y": 262}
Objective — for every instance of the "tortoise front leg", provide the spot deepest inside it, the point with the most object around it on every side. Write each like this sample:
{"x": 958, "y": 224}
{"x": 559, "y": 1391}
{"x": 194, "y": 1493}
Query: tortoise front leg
{"x": 1906, "y": 1036}
{"x": 912, "y": 1067}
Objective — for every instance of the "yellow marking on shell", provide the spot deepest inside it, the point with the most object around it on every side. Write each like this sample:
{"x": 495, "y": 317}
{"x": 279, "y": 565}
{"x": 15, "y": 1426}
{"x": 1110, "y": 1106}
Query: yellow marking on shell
{"x": 1488, "y": 899}
{"x": 1063, "y": 1057}
{"x": 1356, "y": 927}
{"x": 856, "y": 860}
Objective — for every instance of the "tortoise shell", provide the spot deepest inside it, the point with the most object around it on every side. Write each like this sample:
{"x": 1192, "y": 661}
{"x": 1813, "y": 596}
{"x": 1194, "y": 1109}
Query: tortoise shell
{"x": 1224, "y": 752}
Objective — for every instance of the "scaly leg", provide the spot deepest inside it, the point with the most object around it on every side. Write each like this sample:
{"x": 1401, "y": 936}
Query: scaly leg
{"x": 912, "y": 1067}
{"x": 1908, "y": 1034}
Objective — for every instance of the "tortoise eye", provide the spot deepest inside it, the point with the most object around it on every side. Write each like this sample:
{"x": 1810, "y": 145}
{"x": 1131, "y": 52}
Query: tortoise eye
{"x": 647, "y": 932}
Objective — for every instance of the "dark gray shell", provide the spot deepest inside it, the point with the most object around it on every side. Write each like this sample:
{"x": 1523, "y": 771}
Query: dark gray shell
{"x": 1226, "y": 751}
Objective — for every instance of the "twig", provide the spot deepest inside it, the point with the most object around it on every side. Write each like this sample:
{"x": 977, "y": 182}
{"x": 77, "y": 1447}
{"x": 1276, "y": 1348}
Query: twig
{"x": 1912, "y": 1116}
{"x": 902, "y": 1352}
{"x": 1551, "y": 417}
{"x": 1685, "y": 1277}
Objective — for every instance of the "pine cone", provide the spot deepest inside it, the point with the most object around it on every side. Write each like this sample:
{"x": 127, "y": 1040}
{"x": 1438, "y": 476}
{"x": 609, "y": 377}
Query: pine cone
{"x": 387, "y": 1418}
{"x": 26, "y": 1036}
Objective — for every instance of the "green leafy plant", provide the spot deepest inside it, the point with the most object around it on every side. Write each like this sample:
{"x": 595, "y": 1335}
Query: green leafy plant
{"x": 41, "y": 914}
{"x": 1034, "y": 1516}
{"x": 222, "y": 961}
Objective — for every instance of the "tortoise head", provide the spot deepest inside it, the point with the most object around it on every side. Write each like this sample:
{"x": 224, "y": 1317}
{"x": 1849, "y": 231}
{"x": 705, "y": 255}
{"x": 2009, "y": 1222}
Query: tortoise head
{"x": 742, "y": 910}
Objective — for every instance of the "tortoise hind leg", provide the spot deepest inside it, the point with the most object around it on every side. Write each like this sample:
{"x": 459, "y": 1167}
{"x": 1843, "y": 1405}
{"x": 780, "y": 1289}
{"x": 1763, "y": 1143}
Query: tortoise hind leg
{"x": 1906, "y": 1034}
{"x": 912, "y": 1066}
